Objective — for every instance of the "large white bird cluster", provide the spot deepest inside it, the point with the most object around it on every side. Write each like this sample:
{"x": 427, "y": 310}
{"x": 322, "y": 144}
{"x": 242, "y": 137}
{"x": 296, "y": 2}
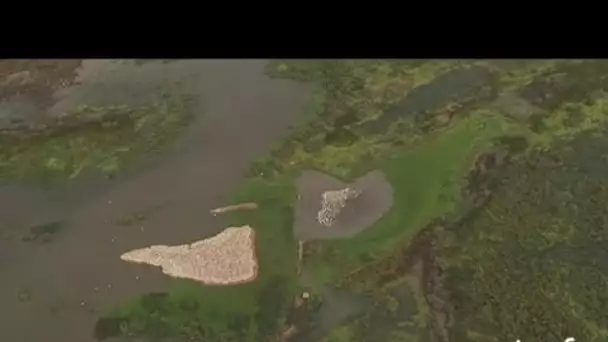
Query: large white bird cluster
{"x": 332, "y": 202}
{"x": 224, "y": 259}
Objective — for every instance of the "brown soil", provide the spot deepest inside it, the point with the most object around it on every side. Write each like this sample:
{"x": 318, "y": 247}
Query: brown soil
{"x": 359, "y": 214}
{"x": 79, "y": 273}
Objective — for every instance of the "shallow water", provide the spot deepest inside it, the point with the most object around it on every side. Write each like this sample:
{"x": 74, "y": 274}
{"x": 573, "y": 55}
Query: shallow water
{"x": 455, "y": 84}
{"x": 338, "y": 307}
{"x": 52, "y": 291}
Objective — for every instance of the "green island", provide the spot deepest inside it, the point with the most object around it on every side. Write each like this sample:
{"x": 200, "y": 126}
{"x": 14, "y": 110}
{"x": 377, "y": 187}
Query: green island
{"x": 496, "y": 230}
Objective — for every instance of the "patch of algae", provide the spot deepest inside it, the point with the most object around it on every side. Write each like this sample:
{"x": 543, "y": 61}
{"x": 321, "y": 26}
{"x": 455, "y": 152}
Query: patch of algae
{"x": 571, "y": 120}
{"x": 102, "y": 146}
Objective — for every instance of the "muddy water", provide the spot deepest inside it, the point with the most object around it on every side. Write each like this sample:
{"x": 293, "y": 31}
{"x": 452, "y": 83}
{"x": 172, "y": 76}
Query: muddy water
{"x": 338, "y": 307}
{"x": 52, "y": 291}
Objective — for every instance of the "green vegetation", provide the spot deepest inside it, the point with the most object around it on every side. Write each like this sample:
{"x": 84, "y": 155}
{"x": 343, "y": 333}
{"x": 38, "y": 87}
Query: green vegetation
{"x": 566, "y": 113}
{"x": 247, "y": 312}
{"x": 516, "y": 74}
{"x": 400, "y": 314}
{"x": 426, "y": 183}
{"x": 342, "y": 334}
{"x": 505, "y": 257}
{"x": 539, "y": 272}
{"x": 107, "y": 145}
{"x": 260, "y": 307}
{"x": 573, "y": 119}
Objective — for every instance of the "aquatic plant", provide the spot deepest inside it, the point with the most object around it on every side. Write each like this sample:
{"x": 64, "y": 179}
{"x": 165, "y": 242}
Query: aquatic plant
{"x": 528, "y": 276}
{"x": 106, "y": 146}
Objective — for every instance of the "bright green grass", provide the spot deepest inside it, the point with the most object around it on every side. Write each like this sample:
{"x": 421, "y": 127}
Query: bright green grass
{"x": 344, "y": 333}
{"x": 247, "y": 312}
{"x": 426, "y": 183}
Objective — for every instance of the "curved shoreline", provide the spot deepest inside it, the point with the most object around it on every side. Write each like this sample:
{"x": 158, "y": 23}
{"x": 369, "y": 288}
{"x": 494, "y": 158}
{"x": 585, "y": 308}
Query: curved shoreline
{"x": 360, "y": 214}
